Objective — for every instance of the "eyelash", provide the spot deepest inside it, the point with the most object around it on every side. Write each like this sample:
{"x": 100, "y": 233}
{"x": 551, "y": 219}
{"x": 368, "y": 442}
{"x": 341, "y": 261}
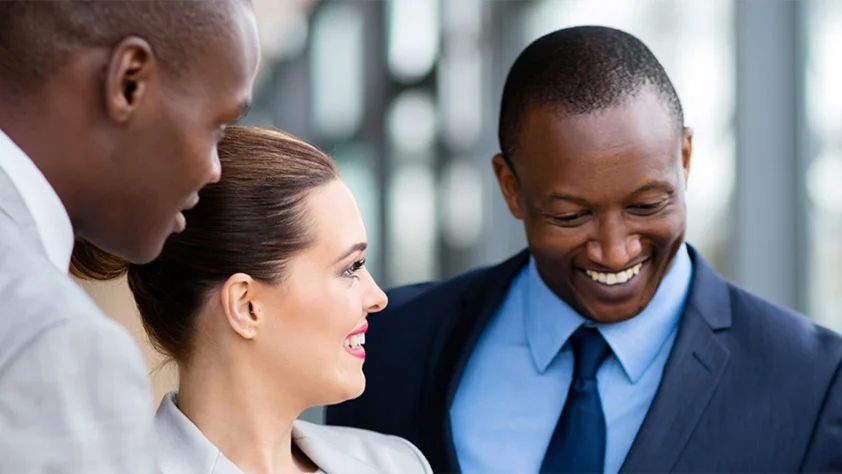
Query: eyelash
{"x": 646, "y": 208}
{"x": 650, "y": 207}
{"x": 351, "y": 271}
{"x": 570, "y": 218}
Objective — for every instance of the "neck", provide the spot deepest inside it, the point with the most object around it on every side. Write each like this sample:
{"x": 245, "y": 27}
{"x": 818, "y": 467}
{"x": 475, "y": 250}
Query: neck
{"x": 244, "y": 418}
{"x": 35, "y": 131}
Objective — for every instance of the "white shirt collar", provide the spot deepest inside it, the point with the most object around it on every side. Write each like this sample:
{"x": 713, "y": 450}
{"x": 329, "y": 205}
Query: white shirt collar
{"x": 41, "y": 201}
{"x": 636, "y": 342}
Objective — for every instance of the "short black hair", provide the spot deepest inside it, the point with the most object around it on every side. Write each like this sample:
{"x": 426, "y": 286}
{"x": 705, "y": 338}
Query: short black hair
{"x": 37, "y": 36}
{"x": 580, "y": 70}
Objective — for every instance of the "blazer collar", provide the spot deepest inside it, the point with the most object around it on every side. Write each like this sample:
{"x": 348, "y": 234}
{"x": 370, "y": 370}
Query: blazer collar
{"x": 694, "y": 369}
{"x": 329, "y": 457}
{"x": 184, "y": 449}
{"x": 709, "y": 295}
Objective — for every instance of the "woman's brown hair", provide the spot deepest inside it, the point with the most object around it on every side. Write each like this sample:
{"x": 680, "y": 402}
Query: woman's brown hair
{"x": 252, "y": 221}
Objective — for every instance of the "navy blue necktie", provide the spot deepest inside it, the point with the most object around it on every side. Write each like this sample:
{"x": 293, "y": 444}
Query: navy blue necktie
{"x": 578, "y": 442}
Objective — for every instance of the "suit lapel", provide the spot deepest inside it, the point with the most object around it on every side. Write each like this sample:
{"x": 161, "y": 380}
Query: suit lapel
{"x": 691, "y": 375}
{"x": 479, "y": 304}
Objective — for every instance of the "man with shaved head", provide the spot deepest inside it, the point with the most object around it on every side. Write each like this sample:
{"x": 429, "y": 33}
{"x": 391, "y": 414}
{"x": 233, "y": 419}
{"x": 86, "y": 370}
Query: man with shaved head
{"x": 110, "y": 112}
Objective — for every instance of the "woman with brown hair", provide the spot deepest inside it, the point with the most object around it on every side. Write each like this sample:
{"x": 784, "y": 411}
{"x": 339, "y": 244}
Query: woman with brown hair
{"x": 262, "y": 303}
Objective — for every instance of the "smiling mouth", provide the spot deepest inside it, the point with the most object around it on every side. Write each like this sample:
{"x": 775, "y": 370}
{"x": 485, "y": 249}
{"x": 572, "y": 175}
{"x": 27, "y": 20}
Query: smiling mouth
{"x": 612, "y": 279}
{"x": 355, "y": 342}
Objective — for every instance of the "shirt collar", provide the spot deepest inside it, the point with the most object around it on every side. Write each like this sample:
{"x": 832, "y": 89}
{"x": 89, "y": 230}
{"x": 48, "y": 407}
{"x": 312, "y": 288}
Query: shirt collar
{"x": 549, "y": 321}
{"x": 42, "y": 202}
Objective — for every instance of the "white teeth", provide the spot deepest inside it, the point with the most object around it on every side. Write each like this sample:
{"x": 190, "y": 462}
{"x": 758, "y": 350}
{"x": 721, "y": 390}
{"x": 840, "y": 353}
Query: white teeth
{"x": 355, "y": 341}
{"x": 611, "y": 279}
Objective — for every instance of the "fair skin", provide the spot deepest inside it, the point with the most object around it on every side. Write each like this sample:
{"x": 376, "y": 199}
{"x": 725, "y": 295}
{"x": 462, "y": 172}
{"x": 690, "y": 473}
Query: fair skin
{"x": 264, "y": 353}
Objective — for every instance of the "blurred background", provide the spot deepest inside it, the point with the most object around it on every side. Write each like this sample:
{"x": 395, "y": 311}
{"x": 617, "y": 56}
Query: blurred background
{"x": 405, "y": 95}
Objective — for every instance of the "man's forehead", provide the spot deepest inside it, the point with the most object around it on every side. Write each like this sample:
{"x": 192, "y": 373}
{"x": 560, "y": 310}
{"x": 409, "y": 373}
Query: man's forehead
{"x": 590, "y": 141}
{"x": 625, "y": 169}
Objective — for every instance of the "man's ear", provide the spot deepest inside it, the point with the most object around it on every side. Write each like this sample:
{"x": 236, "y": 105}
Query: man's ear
{"x": 239, "y": 305}
{"x": 507, "y": 179}
{"x": 131, "y": 71}
{"x": 686, "y": 153}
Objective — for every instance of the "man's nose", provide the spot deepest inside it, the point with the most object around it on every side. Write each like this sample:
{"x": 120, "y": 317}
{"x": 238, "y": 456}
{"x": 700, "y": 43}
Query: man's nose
{"x": 614, "y": 247}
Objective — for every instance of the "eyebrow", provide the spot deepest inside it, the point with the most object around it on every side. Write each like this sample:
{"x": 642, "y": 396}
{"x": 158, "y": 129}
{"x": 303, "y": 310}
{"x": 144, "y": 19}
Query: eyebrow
{"x": 650, "y": 185}
{"x": 568, "y": 197}
{"x": 358, "y": 247}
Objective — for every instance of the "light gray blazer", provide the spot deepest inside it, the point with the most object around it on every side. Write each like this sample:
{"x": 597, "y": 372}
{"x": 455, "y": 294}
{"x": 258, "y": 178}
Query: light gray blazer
{"x": 183, "y": 449}
{"x": 74, "y": 393}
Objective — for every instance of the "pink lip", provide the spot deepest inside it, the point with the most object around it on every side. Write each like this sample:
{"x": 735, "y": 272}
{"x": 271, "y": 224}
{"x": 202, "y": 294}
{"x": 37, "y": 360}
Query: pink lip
{"x": 358, "y": 353}
{"x": 359, "y": 330}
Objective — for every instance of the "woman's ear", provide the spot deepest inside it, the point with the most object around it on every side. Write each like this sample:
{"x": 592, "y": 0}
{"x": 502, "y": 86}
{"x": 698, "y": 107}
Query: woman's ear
{"x": 238, "y": 305}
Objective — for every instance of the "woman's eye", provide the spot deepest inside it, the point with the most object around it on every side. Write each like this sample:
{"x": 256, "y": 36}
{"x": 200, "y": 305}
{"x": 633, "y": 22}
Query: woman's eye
{"x": 351, "y": 271}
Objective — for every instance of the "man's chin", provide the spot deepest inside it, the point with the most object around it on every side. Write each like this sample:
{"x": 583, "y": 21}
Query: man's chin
{"x": 613, "y": 313}
{"x": 143, "y": 251}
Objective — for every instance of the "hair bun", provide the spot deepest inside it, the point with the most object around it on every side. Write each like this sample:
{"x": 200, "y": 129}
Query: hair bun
{"x": 89, "y": 262}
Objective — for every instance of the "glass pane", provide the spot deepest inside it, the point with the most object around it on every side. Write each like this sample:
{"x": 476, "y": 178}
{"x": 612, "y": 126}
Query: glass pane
{"x": 413, "y": 229}
{"x": 337, "y": 70}
{"x": 413, "y": 37}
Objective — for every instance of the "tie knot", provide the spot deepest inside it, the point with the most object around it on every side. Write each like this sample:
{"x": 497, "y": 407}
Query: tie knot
{"x": 589, "y": 350}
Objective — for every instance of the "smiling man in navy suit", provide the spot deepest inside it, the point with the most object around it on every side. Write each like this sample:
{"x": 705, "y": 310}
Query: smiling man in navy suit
{"x": 610, "y": 344}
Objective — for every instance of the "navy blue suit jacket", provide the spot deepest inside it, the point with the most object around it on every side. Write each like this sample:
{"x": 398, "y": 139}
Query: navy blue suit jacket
{"x": 748, "y": 387}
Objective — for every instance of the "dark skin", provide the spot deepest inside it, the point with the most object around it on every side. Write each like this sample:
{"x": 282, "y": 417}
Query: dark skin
{"x": 126, "y": 144}
{"x": 601, "y": 192}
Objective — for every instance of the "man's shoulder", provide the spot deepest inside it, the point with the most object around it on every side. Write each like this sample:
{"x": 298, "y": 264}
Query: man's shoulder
{"x": 754, "y": 327}
{"x": 32, "y": 289}
{"x": 770, "y": 328}
{"x": 39, "y": 304}
{"x": 443, "y": 293}
{"x": 54, "y": 327}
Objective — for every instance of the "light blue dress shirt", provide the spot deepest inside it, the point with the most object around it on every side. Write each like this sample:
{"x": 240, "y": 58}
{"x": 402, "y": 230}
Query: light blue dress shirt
{"x": 516, "y": 380}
